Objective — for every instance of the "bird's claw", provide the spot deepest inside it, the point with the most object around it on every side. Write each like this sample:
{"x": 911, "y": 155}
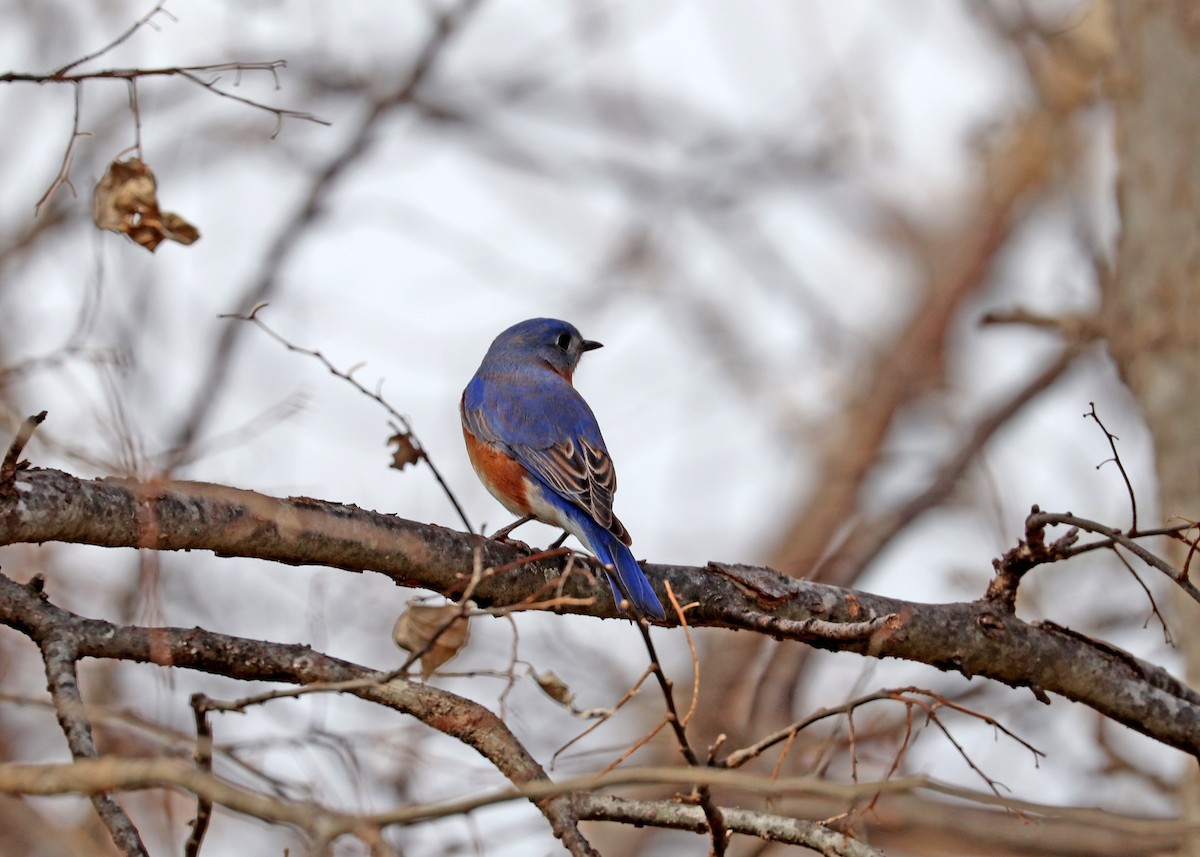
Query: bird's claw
{"x": 504, "y": 539}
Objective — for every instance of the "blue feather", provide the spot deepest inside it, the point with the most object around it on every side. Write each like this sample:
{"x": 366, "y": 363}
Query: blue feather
{"x": 626, "y": 578}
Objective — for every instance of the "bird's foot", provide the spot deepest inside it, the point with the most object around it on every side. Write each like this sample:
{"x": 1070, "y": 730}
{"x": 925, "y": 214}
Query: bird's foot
{"x": 501, "y": 535}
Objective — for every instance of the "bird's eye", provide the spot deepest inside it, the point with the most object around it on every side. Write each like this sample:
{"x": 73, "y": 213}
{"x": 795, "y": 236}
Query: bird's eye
{"x": 563, "y": 341}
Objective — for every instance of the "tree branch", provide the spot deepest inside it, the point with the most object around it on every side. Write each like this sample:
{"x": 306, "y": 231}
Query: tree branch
{"x": 25, "y": 609}
{"x": 679, "y": 816}
{"x": 119, "y": 40}
{"x": 62, "y": 680}
{"x": 115, "y": 773}
{"x": 970, "y": 638}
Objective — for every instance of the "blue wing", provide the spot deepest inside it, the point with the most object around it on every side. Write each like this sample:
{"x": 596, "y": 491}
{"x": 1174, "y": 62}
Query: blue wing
{"x": 550, "y": 429}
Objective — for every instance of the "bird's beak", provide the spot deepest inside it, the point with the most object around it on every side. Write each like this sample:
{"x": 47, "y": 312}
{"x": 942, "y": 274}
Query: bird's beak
{"x": 589, "y": 345}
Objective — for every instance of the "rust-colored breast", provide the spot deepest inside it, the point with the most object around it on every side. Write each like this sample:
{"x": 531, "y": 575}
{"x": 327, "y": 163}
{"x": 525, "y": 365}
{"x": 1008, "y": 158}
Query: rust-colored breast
{"x": 499, "y": 473}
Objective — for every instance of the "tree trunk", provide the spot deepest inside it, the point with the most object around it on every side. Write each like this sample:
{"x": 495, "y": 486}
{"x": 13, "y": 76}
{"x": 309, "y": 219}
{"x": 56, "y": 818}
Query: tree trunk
{"x": 1151, "y": 306}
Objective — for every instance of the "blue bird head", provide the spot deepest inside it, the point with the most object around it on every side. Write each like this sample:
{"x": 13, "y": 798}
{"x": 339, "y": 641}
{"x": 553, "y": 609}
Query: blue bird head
{"x": 556, "y": 343}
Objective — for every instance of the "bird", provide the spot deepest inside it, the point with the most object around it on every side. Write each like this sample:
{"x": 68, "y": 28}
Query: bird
{"x": 536, "y": 446}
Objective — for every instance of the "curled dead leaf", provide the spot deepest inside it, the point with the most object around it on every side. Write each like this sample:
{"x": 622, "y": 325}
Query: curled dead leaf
{"x": 424, "y": 629}
{"x": 406, "y": 451}
{"x": 555, "y": 688}
{"x": 126, "y": 201}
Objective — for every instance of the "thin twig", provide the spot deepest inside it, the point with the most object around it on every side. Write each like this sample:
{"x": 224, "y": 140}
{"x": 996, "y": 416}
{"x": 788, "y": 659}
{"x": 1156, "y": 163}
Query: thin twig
{"x": 740, "y": 757}
{"x": 703, "y": 794}
{"x": 1073, "y": 550}
{"x": 1112, "y": 444}
{"x": 280, "y": 113}
{"x": 136, "y": 112}
{"x": 1154, "y": 611}
{"x": 64, "y": 170}
{"x": 637, "y": 745}
{"x": 1128, "y": 541}
{"x": 348, "y": 377}
{"x": 603, "y": 718}
{"x": 193, "y": 74}
{"x": 62, "y": 680}
{"x": 985, "y": 718}
{"x": 681, "y": 612}
{"x": 8, "y": 470}
{"x": 125, "y": 36}
{"x": 1191, "y": 543}
{"x": 993, "y": 785}
{"x": 514, "y": 651}
{"x": 203, "y": 755}
{"x": 910, "y": 698}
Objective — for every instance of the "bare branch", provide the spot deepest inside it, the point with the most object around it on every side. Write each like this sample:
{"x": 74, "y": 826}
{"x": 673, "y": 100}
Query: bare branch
{"x": 1115, "y": 537}
{"x": 325, "y": 825}
{"x": 60, "y": 655}
{"x": 125, "y": 774}
{"x": 193, "y": 74}
{"x": 974, "y": 639}
{"x": 770, "y": 827}
{"x": 24, "y": 608}
{"x": 203, "y": 755}
{"x": 1116, "y": 459}
{"x": 702, "y": 795}
{"x": 64, "y": 170}
{"x": 374, "y": 395}
{"x": 119, "y": 40}
{"x": 12, "y": 459}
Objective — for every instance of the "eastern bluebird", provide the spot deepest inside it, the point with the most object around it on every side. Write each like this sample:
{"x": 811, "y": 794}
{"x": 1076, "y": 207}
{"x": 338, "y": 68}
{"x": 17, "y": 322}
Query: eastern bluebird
{"x": 537, "y": 448}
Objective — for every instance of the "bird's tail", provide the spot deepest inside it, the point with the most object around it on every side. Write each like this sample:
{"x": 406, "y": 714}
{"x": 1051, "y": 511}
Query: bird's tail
{"x": 625, "y": 576}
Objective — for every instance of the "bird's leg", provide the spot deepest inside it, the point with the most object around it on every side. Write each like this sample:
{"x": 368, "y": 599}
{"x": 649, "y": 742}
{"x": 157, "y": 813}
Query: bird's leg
{"x": 501, "y": 535}
{"x": 559, "y": 541}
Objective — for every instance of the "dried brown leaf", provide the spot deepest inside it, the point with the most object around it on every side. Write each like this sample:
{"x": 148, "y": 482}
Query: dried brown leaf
{"x": 555, "y": 688}
{"x": 424, "y": 629}
{"x": 406, "y": 451}
{"x": 126, "y": 201}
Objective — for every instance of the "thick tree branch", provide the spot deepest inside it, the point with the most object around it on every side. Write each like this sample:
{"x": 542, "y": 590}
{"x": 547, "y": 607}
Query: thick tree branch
{"x": 26, "y": 609}
{"x": 66, "y": 637}
{"x": 970, "y": 638}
